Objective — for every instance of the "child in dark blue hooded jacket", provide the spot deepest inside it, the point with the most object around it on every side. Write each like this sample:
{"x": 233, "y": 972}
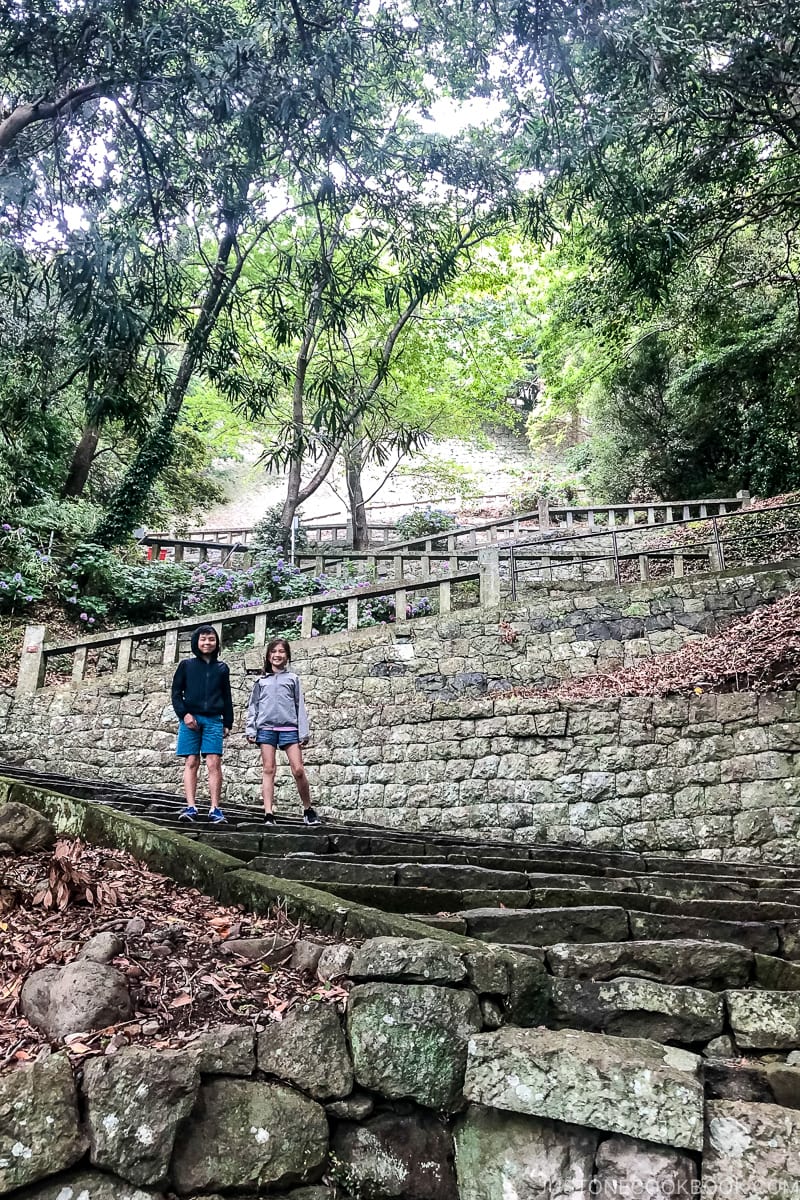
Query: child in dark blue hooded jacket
{"x": 201, "y": 697}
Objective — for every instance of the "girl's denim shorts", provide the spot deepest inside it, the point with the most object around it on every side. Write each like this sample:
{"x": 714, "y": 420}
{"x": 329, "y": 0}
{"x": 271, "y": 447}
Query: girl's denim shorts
{"x": 279, "y": 738}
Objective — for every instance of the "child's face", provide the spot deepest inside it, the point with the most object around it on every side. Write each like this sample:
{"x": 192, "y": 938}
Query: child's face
{"x": 207, "y": 643}
{"x": 278, "y": 658}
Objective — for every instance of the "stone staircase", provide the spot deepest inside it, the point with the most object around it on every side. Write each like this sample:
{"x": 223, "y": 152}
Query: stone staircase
{"x": 704, "y": 955}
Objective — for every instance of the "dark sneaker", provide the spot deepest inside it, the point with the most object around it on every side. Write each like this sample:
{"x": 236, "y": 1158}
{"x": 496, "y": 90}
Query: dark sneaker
{"x": 310, "y": 817}
{"x": 217, "y": 816}
{"x": 269, "y": 819}
{"x": 188, "y": 814}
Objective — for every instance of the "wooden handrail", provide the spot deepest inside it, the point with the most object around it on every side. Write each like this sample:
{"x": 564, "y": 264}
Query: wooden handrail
{"x": 37, "y": 650}
{"x": 569, "y": 513}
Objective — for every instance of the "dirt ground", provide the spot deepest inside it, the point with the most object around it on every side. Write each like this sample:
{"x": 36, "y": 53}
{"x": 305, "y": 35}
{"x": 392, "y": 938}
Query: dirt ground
{"x": 172, "y": 951}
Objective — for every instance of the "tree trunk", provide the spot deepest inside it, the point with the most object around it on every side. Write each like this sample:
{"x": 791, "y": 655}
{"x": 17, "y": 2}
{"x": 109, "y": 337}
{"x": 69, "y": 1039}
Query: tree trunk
{"x": 128, "y": 501}
{"x": 358, "y": 512}
{"x": 82, "y": 461}
{"x": 290, "y": 504}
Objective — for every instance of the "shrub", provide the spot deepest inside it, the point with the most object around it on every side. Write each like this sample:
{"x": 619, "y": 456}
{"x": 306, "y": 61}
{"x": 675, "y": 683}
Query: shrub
{"x": 553, "y": 486}
{"x": 216, "y": 588}
{"x": 17, "y": 591}
{"x": 268, "y": 535}
{"x": 25, "y": 570}
{"x": 425, "y": 521}
{"x": 151, "y": 592}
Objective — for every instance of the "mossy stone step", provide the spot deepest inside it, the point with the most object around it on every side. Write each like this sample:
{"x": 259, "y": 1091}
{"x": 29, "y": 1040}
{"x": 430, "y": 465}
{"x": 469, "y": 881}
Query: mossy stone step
{"x": 543, "y": 927}
{"x": 754, "y": 935}
{"x": 704, "y": 964}
{"x": 322, "y": 870}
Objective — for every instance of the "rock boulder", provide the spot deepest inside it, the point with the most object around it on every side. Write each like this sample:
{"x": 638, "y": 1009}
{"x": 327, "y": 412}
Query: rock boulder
{"x": 626, "y": 1166}
{"x": 411, "y": 1040}
{"x": 308, "y": 1048}
{"x": 752, "y": 1150}
{"x": 81, "y": 996}
{"x": 134, "y": 1102}
{"x": 87, "y": 1185}
{"x": 39, "y": 1129}
{"x": 398, "y": 1155}
{"x": 25, "y": 829}
{"x": 501, "y": 1154}
{"x": 622, "y": 1085}
{"x": 422, "y": 960}
{"x": 249, "y": 1136}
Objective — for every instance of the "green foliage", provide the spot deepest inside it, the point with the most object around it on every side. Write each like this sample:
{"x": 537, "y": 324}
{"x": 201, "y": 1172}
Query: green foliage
{"x": 217, "y": 588}
{"x": 425, "y": 520}
{"x": 548, "y": 483}
{"x": 99, "y": 585}
{"x": 695, "y": 397}
{"x": 17, "y": 591}
{"x": 665, "y": 128}
{"x": 439, "y": 478}
{"x": 268, "y": 533}
{"x": 26, "y": 570}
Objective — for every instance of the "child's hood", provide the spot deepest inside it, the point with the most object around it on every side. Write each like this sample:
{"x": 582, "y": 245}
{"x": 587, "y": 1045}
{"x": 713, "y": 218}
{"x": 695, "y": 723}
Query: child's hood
{"x": 196, "y": 638}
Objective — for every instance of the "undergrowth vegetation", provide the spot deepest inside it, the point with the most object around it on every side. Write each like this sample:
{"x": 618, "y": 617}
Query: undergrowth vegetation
{"x": 95, "y": 588}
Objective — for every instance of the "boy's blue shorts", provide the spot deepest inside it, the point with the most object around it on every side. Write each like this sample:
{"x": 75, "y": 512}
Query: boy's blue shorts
{"x": 206, "y": 739}
{"x": 275, "y": 737}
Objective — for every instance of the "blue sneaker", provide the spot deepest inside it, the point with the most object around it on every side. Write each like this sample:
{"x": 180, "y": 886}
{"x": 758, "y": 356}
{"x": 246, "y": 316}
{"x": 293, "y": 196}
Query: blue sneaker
{"x": 189, "y": 813}
{"x": 217, "y": 816}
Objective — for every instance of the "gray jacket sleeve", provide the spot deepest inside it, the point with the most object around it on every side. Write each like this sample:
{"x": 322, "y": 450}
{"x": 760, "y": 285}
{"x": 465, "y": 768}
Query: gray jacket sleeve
{"x": 302, "y": 714}
{"x": 251, "y": 723}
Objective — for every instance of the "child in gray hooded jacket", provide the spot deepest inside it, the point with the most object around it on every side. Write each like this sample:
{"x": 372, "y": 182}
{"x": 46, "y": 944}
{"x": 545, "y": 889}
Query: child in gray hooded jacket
{"x": 277, "y": 719}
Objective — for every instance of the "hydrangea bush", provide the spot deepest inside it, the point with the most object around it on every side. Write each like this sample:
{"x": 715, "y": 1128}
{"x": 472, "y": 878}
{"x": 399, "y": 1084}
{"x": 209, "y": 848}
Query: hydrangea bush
{"x": 426, "y": 520}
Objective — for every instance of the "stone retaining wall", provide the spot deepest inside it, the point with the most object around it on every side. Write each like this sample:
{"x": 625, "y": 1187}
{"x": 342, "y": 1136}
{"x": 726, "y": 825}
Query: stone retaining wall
{"x": 714, "y": 775}
{"x": 408, "y": 1094}
{"x": 406, "y": 733}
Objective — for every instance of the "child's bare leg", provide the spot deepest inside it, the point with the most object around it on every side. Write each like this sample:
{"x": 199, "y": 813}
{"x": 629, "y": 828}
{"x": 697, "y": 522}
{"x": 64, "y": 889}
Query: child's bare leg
{"x": 214, "y": 768}
{"x": 295, "y": 755}
{"x": 268, "y": 777}
{"x": 190, "y": 766}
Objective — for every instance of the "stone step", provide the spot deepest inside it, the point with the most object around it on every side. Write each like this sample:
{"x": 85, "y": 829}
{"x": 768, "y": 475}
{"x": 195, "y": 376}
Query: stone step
{"x": 654, "y": 863}
{"x": 546, "y": 926}
{"x": 708, "y": 965}
{"x": 639, "y": 1008}
{"x": 431, "y": 900}
{"x": 754, "y": 935}
{"x": 720, "y": 910}
{"x": 315, "y": 870}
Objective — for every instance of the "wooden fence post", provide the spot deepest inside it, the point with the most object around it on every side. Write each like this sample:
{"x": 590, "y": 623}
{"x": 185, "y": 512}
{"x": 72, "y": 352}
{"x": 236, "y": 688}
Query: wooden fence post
{"x": 544, "y": 512}
{"x": 31, "y": 663}
{"x": 489, "y": 564}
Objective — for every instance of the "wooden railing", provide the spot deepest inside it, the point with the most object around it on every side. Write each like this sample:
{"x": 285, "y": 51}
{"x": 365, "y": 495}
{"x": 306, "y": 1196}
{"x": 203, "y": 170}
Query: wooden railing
{"x": 586, "y": 517}
{"x": 337, "y": 533}
{"x": 162, "y": 640}
{"x": 723, "y": 540}
{"x": 501, "y": 530}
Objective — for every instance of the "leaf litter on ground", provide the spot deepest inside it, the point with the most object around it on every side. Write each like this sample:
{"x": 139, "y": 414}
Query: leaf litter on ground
{"x": 181, "y": 980}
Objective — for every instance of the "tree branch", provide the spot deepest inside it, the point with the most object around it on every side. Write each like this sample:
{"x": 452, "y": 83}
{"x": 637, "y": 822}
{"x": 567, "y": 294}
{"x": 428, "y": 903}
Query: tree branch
{"x": 49, "y": 110}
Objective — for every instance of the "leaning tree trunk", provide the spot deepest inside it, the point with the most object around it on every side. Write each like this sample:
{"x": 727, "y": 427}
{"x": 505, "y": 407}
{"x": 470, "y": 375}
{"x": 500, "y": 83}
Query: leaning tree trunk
{"x": 358, "y": 513}
{"x": 82, "y": 461}
{"x": 128, "y": 501}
